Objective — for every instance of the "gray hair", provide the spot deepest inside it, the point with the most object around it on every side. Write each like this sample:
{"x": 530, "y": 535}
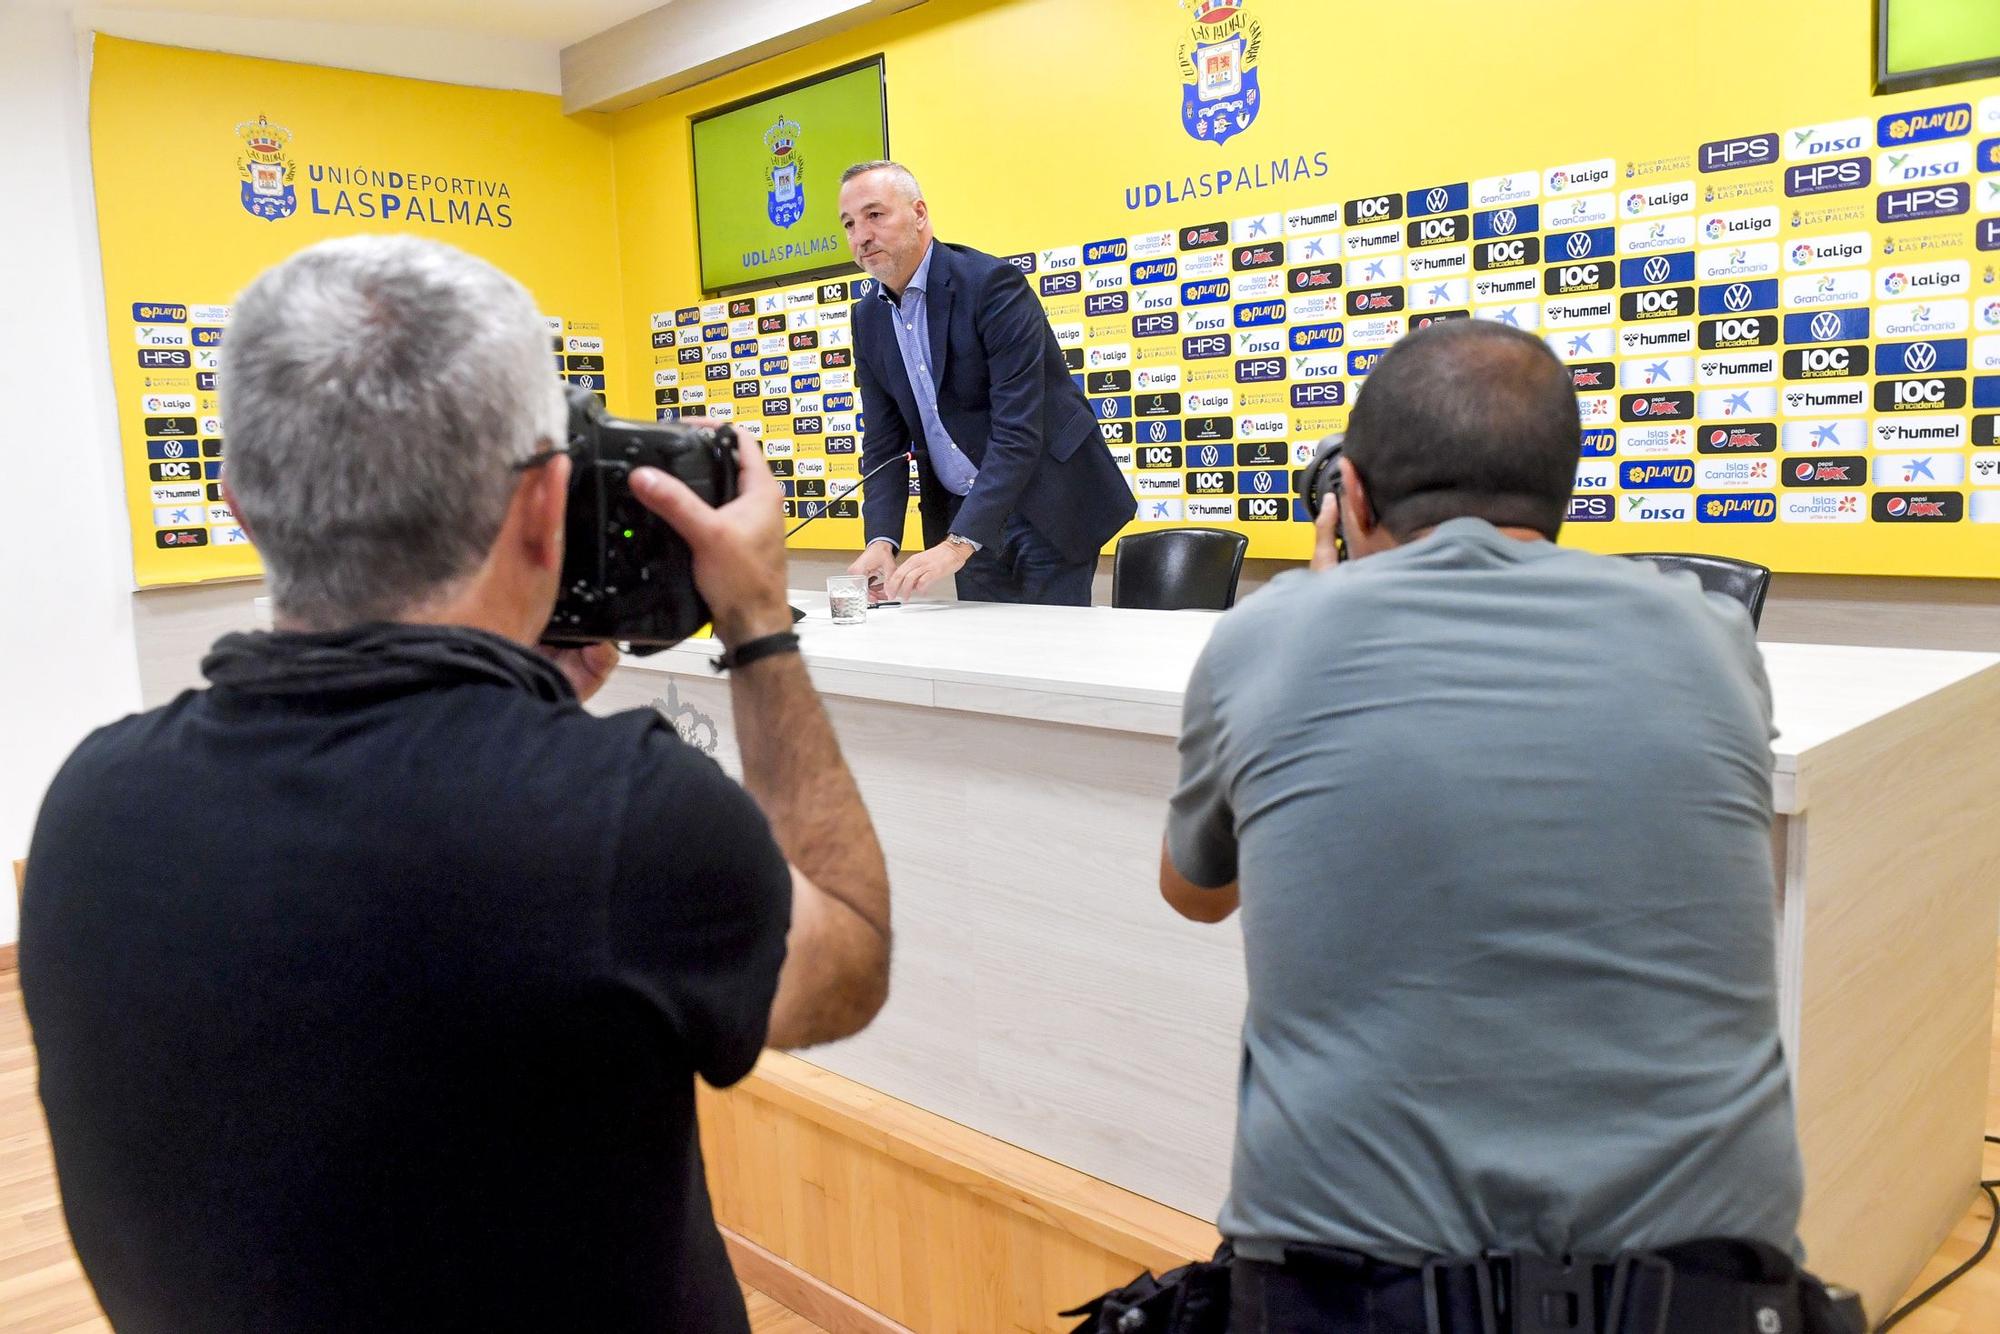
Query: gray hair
{"x": 377, "y": 392}
{"x": 906, "y": 180}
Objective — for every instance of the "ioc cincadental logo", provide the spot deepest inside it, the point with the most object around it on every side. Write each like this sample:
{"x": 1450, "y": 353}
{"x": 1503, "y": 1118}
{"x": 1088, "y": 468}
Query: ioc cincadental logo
{"x": 267, "y": 176}
{"x": 785, "y": 201}
{"x": 1218, "y": 57}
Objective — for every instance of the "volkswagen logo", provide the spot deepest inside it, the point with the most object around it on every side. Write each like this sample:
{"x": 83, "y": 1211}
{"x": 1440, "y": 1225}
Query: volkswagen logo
{"x": 1825, "y": 326}
{"x": 1578, "y": 245}
{"x": 1158, "y": 432}
{"x": 1209, "y": 455}
{"x": 1736, "y": 296}
{"x": 1262, "y": 482}
{"x": 1504, "y": 222}
{"x": 1437, "y": 200}
{"x": 1920, "y": 358}
{"x": 1657, "y": 269}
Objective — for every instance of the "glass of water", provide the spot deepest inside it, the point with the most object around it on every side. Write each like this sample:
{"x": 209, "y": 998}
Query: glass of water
{"x": 847, "y": 598}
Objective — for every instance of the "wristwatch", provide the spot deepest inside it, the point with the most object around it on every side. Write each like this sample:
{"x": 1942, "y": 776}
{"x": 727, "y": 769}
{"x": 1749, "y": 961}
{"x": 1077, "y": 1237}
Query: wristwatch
{"x": 965, "y": 544}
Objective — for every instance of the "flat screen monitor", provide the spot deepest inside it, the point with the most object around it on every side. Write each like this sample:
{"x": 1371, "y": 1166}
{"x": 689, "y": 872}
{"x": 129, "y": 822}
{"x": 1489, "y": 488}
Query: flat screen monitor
{"x": 767, "y": 176}
{"x": 1923, "y": 43}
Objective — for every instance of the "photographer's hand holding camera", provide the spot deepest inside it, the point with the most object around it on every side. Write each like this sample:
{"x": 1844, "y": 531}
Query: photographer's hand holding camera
{"x": 370, "y": 984}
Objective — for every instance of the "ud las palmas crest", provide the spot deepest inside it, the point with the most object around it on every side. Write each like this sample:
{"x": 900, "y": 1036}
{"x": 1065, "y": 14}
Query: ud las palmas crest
{"x": 785, "y": 201}
{"x": 267, "y": 176}
{"x": 1219, "y": 94}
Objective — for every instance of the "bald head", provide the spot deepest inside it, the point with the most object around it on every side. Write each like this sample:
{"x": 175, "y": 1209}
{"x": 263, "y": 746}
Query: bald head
{"x": 1467, "y": 418}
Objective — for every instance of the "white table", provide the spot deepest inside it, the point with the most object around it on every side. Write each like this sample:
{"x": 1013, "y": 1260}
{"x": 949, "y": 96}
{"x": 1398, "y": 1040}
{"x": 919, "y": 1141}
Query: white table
{"x": 1017, "y": 763}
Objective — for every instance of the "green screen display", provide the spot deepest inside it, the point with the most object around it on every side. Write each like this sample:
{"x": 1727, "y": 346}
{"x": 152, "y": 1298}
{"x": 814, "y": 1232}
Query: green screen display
{"x": 1927, "y": 34}
{"x": 767, "y": 177}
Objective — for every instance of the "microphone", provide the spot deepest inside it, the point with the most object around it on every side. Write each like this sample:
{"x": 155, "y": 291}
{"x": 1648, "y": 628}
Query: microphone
{"x": 861, "y": 482}
{"x": 905, "y": 459}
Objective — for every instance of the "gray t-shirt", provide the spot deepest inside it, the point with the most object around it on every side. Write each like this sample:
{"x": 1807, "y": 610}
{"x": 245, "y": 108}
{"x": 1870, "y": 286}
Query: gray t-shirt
{"x": 1501, "y": 816}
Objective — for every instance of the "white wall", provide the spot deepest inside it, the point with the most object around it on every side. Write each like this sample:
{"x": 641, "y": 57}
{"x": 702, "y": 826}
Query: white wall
{"x": 69, "y": 651}
{"x": 67, "y": 654}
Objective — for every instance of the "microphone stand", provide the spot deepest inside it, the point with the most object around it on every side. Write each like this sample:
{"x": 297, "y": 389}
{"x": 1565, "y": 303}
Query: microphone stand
{"x": 831, "y": 501}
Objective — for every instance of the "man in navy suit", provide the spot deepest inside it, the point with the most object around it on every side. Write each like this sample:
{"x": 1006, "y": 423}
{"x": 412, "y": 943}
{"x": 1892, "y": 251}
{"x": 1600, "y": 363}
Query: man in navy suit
{"x": 958, "y": 366}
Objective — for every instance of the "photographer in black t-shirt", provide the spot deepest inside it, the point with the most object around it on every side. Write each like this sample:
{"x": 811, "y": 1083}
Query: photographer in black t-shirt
{"x": 369, "y": 984}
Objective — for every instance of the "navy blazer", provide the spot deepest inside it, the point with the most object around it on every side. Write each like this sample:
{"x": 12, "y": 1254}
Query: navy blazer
{"x": 1008, "y": 401}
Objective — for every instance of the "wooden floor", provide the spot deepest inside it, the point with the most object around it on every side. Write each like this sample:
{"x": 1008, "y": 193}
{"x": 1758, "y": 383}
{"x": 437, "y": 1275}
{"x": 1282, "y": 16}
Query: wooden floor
{"x": 43, "y": 1290}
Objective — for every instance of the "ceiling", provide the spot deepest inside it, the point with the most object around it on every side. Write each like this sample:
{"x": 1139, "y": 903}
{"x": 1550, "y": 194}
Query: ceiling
{"x": 555, "y": 23}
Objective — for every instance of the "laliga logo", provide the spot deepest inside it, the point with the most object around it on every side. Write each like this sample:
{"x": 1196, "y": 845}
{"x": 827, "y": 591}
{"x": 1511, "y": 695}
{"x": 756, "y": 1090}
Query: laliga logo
{"x": 1558, "y": 182}
{"x": 1218, "y": 60}
{"x": 1894, "y": 283}
{"x": 267, "y": 177}
{"x": 1989, "y": 314}
{"x": 1712, "y": 229}
{"x": 1635, "y": 201}
{"x": 1802, "y": 254}
{"x": 785, "y": 200}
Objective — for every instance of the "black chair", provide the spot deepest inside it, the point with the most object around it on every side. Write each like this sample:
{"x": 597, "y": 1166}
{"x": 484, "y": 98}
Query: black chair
{"x": 1740, "y": 579}
{"x": 1178, "y": 569}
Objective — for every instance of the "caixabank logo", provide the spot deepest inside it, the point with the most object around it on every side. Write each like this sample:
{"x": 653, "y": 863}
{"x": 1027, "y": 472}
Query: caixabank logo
{"x": 267, "y": 191}
{"x": 1218, "y": 59}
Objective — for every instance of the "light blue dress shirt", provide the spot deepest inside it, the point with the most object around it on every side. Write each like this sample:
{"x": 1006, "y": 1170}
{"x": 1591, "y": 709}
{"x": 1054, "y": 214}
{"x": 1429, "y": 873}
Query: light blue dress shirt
{"x": 913, "y": 336}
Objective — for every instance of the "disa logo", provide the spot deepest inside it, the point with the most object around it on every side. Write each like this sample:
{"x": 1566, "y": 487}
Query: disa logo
{"x": 785, "y": 200}
{"x": 267, "y": 177}
{"x": 1218, "y": 59}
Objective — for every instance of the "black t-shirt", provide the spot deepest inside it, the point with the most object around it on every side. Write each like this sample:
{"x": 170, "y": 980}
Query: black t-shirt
{"x": 379, "y": 1009}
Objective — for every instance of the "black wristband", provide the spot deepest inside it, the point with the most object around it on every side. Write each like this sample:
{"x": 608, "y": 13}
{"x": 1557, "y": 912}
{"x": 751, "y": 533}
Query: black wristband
{"x": 750, "y": 650}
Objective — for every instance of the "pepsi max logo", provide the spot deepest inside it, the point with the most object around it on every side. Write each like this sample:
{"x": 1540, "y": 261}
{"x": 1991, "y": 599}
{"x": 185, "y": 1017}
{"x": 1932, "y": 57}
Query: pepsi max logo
{"x": 802, "y": 340}
{"x": 1262, "y": 256}
{"x": 836, "y": 357}
{"x": 1749, "y": 438}
{"x": 1112, "y": 303}
{"x": 1677, "y": 405}
{"x": 1203, "y": 235}
{"x": 1827, "y": 470}
{"x": 1061, "y": 284}
{"x": 1374, "y": 300}
{"x": 1917, "y": 507}
{"x": 1104, "y": 252}
{"x": 770, "y": 324}
{"x": 1314, "y": 278}
{"x": 1592, "y": 376}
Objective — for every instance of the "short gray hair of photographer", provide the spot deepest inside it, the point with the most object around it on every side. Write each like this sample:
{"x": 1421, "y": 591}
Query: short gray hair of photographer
{"x": 377, "y": 392}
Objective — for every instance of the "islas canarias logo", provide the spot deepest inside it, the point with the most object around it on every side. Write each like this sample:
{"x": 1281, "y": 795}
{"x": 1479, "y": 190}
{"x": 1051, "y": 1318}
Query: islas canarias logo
{"x": 1218, "y": 58}
{"x": 785, "y": 197}
{"x": 267, "y": 176}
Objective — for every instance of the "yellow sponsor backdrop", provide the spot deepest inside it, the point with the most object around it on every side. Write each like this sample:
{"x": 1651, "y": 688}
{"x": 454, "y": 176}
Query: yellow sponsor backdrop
{"x": 1036, "y": 127}
{"x": 1029, "y": 122}
{"x": 510, "y": 179}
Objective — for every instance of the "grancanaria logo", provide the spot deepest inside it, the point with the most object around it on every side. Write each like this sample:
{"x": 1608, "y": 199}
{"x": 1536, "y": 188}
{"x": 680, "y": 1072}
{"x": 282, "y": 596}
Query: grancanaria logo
{"x": 785, "y": 201}
{"x": 267, "y": 177}
{"x": 1218, "y": 59}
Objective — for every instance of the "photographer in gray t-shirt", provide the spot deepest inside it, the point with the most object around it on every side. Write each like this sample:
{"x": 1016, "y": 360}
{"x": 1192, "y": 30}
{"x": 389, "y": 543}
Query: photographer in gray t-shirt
{"x": 1498, "y": 814}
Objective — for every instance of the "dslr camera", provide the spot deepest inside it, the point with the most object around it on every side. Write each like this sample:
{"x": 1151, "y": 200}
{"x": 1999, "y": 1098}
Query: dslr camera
{"x": 1318, "y": 485}
{"x": 626, "y": 575}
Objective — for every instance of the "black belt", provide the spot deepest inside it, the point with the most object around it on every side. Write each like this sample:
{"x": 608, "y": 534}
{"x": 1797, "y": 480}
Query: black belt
{"x": 1702, "y": 1287}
